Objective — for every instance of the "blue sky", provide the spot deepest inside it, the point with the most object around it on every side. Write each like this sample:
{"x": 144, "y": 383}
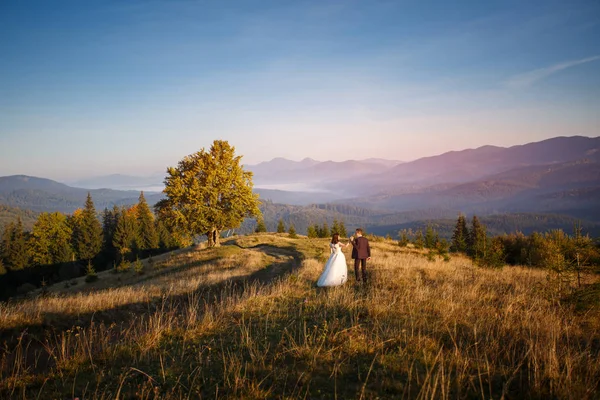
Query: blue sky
{"x": 97, "y": 87}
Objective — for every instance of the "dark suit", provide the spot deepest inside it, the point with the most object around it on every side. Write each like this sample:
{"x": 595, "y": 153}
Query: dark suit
{"x": 360, "y": 252}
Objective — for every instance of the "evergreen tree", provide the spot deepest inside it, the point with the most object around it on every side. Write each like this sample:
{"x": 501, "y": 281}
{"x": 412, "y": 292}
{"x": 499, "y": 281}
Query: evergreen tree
{"x": 14, "y": 246}
{"x": 125, "y": 237}
{"x": 208, "y": 191}
{"x": 403, "y": 242}
{"x": 166, "y": 239}
{"x": 335, "y": 227}
{"x": 418, "y": 241}
{"x": 292, "y": 232}
{"x": 50, "y": 241}
{"x": 318, "y": 230}
{"x": 109, "y": 225}
{"x": 342, "y": 229}
{"x": 280, "y": 226}
{"x": 311, "y": 232}
{"x": 477, "y": 239}
{"x": 147, "y": 236}
{"x": 325, "y": 233}
{"x": 429, "y": 238}
{"x": 460, "y": 237}
{"x": 260, "y": 226}
{"x": 88, "y": 232}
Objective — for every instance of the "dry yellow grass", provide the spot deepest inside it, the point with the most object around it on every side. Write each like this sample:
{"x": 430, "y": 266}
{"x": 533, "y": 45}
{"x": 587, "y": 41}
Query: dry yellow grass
{"x": 246, "y": 321}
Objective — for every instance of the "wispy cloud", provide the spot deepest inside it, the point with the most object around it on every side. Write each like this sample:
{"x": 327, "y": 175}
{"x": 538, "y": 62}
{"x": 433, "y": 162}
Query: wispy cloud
{"x": 527, "y": 79}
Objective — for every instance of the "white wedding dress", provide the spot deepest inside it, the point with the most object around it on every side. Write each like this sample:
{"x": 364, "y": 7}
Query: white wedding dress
{"x": 336, "y": 272}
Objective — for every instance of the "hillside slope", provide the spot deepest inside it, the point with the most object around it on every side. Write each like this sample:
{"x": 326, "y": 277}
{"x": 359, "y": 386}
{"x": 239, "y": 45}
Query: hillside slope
{"x": 246, "y": 321}
{"x": 39, "y": 194}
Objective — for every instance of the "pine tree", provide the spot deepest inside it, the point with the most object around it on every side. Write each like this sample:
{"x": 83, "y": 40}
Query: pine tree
{"x": 109, "y": 225}
{"x": 260, "y": 226}
{"x": 477, "y": 239}
{"x": 280, "y": 226}
{"x": 14, "y": 246}
{"x": 325, "y": 231}
{"x": 50, "y": 241}
{"x": 403, "y": 242}
{"x": 90, "y": 273}
{"x": 165, "y": 239}
{"x": 342, "y": 229}
{"x": 460, "y": 237}
{"x": 418, "y": 241}
{"x": 311, "y": 233}
{"x": 125, "y": 236}
{"x": 292, "y": 232}
{"x": 429, "y": 238}
{"x": 147, "y": 237}
{"x": 207, "y": 192}
{"x": 335, "y": 227}
{"x": 88, "y": 232}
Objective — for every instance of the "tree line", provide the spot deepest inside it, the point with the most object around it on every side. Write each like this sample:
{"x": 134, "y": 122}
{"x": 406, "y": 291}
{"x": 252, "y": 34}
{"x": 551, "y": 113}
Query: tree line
{"x": 61, "y": 247}
{"x": 567, "y": 257}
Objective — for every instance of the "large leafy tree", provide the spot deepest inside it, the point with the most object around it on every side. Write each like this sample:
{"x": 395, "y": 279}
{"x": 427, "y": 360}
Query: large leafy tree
{"x": 14, "y": 246}
{"x": 147, "y": 235}
{"x": 207, "y": 192}
{"x": 50, "y": 241}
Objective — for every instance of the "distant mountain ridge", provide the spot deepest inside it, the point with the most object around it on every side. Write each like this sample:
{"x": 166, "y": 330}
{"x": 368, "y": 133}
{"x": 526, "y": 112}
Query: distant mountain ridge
{"x": 472, "y": 164}
{"x": 281, "y": 170}
{"x": 40, "y": 194}
{"x": 555, "y": 176}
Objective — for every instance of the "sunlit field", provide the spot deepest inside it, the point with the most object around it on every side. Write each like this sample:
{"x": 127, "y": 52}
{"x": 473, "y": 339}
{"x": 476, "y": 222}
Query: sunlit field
{"x": 246, "y": 321}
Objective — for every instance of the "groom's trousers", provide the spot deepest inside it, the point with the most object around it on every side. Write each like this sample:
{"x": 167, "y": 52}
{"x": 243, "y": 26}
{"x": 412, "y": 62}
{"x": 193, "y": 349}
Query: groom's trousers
{"x": 362, "y": 263}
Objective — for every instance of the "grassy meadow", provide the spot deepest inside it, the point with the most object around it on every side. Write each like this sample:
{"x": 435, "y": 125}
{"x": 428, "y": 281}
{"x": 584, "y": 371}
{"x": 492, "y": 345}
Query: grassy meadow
{"x": 246, "y": 321}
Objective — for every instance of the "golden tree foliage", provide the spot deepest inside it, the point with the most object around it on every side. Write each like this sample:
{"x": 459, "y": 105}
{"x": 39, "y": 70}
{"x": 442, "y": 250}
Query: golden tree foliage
{"x": 208, "y": 192}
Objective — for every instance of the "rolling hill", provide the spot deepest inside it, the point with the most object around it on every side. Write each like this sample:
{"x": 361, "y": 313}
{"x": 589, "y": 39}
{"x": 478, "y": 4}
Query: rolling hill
{"x": 39, "y": 194}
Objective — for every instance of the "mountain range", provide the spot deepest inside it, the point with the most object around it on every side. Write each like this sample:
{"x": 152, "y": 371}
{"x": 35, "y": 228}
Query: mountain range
{"x": 554, "y": 176}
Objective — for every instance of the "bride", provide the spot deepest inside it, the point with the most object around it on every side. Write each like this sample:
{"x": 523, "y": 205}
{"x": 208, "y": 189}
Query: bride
{"x": 336, "y": 271}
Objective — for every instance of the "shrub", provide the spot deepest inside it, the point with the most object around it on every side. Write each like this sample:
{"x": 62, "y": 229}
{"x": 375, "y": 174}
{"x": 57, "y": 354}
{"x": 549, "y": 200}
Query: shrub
{"x": 138, "y": 267}
{"x": 123, "y": 266}
{"x": 90, "y": 274}
{"x": 292, "y": 232}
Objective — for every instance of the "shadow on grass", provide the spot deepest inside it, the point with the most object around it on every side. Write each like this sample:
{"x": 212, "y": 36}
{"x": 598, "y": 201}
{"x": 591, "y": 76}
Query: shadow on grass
{"x": 55, "y": 322}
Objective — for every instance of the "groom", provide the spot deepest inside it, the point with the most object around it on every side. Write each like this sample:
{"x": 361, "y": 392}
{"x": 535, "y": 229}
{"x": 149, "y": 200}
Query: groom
{"x": 361, "y": 252}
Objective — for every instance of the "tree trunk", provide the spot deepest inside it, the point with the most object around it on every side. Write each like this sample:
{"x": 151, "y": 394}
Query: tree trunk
{"x": 209, "y": 235}
{"x": 216, "y": 238}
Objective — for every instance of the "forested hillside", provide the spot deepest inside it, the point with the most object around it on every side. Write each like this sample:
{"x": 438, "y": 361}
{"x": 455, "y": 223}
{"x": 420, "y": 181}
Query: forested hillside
{"x": 11, "y": 214}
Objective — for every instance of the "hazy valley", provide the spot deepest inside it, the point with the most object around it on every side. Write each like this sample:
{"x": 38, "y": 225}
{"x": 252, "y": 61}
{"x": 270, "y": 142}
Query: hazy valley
{"x": 538, "y": 186}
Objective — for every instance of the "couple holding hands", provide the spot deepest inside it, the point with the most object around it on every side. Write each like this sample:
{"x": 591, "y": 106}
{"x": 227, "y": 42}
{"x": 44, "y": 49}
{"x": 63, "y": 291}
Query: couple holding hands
{"x": 336, "y": 271}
